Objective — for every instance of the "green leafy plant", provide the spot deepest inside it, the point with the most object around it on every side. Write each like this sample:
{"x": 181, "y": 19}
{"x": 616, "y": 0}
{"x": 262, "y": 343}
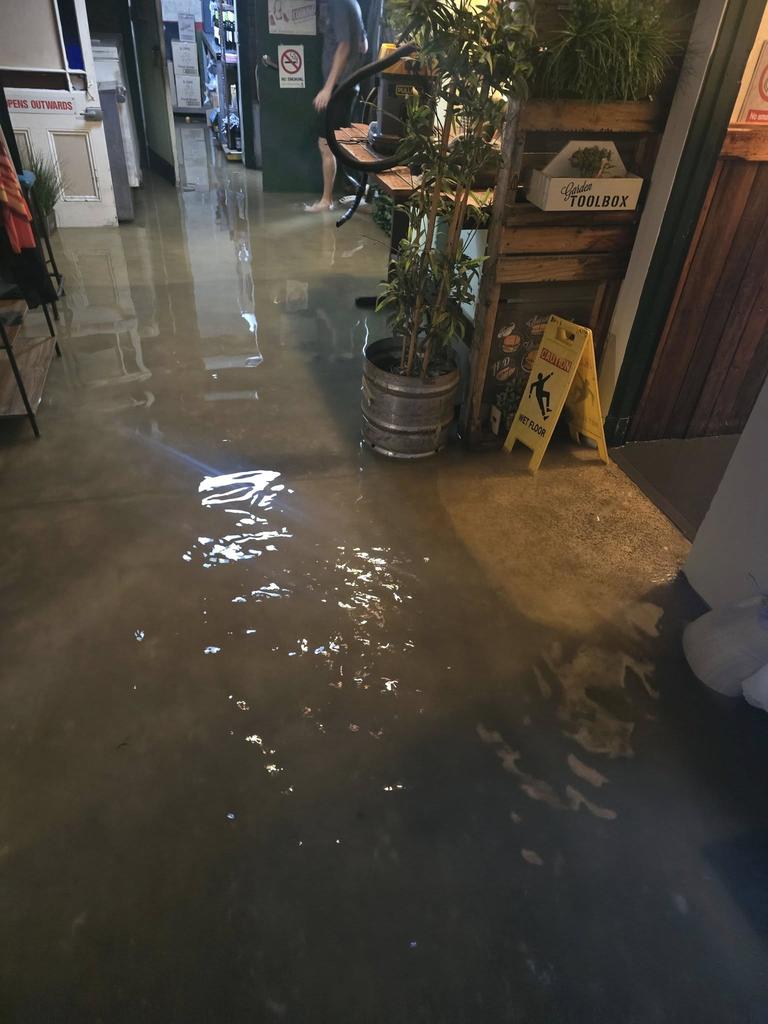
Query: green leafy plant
{"x": 49, "y": 185}
{"x": 607, "y": 50}
{"x": 382, "y": 212}
{"x": 394, "y": 19}
{"x": 478, "y": 55}
{"x": 591, "y": 161}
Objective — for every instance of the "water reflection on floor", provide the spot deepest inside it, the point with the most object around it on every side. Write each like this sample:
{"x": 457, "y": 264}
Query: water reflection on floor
{"x": 293, "y": 733}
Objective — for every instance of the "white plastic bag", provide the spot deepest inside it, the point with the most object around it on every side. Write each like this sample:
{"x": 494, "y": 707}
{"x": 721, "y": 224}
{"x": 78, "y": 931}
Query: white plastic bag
{"x": 756, "y": 689}
{"x": 728, "y": 645}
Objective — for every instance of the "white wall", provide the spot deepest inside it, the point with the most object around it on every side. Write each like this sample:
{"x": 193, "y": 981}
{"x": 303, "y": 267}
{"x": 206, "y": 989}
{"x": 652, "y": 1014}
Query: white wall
{"x": 29, "y": 35}
{"x": 700, "y": 47}
{"x": 732, "y": 542}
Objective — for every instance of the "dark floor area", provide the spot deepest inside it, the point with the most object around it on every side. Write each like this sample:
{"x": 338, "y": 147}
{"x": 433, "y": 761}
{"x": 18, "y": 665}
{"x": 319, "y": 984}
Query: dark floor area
{"x": 679, "y": 475}
{"x": 293, "y": 733}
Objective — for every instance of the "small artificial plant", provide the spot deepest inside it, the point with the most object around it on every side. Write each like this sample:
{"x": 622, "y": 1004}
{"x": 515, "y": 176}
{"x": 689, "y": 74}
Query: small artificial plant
{"x": 479, "y": 57}
{"x": 49, "y": 185}
{"x": 607, "y": 50}
{"x": 591, "y": 161}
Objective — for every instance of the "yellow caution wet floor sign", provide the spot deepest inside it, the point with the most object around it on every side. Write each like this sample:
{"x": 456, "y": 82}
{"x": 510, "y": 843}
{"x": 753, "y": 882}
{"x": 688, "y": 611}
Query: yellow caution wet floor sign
{"x": 564, "y": 376}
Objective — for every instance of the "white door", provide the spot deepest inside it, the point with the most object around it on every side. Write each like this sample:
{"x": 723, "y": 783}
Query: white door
{"x": 63, "y": 125}
{"x": 53, "y": 124}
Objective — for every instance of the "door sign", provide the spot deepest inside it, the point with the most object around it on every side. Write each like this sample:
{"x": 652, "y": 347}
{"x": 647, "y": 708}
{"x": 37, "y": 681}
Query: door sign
{"x": 754, "y": 110}
{"x": 290, "y": 60}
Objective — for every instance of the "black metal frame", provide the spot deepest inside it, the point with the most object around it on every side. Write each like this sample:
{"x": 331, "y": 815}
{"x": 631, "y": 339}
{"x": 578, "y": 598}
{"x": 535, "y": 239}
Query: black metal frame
{"x": 40, "y": 229}
{"x": 7, "y": 344}
{"x": 44, "y": 239}
{"x": 19, "y": 380}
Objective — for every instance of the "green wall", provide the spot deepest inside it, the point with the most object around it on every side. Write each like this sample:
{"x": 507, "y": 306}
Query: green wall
{"x": 289, "y": 154}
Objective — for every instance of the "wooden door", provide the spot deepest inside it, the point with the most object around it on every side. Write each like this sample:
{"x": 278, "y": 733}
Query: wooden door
{"x": 713, "y": 355}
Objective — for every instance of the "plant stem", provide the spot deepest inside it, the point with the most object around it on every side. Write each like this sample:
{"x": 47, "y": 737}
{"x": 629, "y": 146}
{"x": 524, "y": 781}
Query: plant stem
{"x": 431, "y": 223}
{"x": 460, "y": 203}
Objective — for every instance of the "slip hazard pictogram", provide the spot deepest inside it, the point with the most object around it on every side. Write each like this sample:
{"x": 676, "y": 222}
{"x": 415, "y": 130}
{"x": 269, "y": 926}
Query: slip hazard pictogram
{"x": 291, "y": 63}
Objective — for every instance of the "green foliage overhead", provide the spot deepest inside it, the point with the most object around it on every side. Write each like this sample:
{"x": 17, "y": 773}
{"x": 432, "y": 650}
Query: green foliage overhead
{"x": 607, "y": 50}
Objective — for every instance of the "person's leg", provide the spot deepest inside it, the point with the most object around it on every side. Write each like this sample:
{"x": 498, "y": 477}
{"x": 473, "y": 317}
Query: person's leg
{"x": 329, "y": 174}
{"x": 342, "y": 119}
{"x": 325, "y": 202}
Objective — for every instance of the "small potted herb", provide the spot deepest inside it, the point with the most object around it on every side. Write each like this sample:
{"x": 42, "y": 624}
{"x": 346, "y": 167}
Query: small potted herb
{"x": 592, "y": 161}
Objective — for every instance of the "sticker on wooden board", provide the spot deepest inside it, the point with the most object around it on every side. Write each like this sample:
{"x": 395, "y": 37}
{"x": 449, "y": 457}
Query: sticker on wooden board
{"x": 564, "y": 376}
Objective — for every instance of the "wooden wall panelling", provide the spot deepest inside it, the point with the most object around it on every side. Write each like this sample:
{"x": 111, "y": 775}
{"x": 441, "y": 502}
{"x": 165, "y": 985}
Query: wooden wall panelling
{"x": 746, "y": 375}
{"x": 690, "y": 312}
{"x": 751, "y": 384}
{"x": 746, "y": 142}
{"x": 735, "y": 325}
{"x": 720, "y": 330}
{"x": 640, "y": 422}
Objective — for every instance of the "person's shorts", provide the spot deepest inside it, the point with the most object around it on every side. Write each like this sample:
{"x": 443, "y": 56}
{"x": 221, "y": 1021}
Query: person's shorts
{"x": 342, "y": 114}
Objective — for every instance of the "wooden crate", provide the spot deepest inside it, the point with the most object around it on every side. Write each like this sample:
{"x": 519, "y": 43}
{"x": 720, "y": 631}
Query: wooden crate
{"x": 573, "y": 117}
{"x": 529, "y": 246}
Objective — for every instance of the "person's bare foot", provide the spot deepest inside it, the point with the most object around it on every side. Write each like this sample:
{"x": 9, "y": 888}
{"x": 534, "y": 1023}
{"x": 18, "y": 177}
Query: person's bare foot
{"x": 321, "y": 206}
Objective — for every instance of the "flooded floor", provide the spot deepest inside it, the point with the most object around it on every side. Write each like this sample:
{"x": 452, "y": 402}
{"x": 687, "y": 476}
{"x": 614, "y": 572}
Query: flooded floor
{"x": 294, "y": 733}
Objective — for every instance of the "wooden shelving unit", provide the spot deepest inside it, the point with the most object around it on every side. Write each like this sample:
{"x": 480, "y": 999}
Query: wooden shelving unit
{"x": 527, "y": 246}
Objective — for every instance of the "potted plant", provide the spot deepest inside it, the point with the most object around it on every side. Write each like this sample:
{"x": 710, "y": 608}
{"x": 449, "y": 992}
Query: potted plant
{"x": 607, "y": 51}
{"x": 481, "y": 56}
{"x": 48, "y": 188}
{"x": 602, "y": 52}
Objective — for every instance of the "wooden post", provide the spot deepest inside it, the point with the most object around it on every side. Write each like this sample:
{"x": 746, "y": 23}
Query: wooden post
{"x": 512, "y": 143}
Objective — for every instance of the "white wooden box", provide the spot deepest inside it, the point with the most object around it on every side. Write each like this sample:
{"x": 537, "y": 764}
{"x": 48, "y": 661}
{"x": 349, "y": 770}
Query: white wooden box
{"x": 557, "y": 188}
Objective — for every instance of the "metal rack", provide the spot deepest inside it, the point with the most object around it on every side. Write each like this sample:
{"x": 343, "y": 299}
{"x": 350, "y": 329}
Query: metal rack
{"x": 24, "y": 370}
{"x": 228, "y": 76}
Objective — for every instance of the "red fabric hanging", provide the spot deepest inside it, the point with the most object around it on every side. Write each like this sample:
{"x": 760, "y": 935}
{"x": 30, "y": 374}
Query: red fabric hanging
{"x": 17, "y": 220}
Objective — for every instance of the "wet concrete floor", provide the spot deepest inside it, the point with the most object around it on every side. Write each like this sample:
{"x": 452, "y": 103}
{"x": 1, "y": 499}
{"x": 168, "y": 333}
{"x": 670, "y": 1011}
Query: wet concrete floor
{"x": 294, "y": 733}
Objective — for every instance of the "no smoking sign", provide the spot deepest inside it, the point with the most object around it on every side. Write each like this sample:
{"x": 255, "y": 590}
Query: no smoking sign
{"x": 290, "y": 60}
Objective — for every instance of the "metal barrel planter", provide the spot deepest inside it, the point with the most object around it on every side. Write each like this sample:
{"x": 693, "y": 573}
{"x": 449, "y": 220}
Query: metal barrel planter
{"x": 405, "y": 417}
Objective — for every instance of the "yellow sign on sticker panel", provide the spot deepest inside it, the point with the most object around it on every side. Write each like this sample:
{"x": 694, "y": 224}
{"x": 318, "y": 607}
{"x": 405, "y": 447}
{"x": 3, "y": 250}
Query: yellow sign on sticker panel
{"x": 564, "y": 376}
